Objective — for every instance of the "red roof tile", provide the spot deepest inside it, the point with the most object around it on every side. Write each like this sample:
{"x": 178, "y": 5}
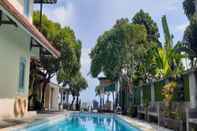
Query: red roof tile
{"x": 30, "y": 27}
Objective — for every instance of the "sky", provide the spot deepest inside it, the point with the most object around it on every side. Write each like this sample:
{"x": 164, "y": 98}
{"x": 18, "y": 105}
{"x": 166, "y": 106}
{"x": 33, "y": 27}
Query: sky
{"x": 90, "y": 18}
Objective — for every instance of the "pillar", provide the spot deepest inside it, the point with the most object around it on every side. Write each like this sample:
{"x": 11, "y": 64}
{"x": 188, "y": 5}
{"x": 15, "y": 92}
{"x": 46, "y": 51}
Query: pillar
{"x": 141, "y": 96}
{"x": 192, "y": 90}
{"x": 152, "y": 93}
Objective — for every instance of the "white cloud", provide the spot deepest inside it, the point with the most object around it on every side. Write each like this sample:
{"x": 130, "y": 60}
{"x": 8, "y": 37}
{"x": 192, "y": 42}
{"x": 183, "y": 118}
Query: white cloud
{"x": 62, "y": 14}
{"x": 85, "y": 61}
{"x": 85, "y": 68}
{"x": 182, "y": 27}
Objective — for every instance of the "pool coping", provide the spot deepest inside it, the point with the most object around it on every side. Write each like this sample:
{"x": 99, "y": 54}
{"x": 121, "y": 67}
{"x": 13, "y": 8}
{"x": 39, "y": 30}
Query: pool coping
{"x": 143, "y": 126}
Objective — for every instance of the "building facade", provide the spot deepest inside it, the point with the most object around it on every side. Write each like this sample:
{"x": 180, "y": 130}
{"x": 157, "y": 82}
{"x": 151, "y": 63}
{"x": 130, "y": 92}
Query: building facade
{"x": 17, "y": 37}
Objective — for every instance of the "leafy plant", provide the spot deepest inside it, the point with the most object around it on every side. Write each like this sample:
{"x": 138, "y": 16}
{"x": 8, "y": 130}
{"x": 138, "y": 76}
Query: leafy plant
{"x": 168, "y": 91}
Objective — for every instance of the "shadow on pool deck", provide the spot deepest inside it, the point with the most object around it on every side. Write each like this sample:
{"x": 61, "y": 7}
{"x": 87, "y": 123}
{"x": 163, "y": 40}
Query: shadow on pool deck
{"x": 7, "y": 123}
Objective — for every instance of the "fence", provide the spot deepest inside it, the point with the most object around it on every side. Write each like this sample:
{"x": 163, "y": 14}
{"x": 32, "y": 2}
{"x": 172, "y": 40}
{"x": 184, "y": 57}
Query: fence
{"x": 143, "y": 94}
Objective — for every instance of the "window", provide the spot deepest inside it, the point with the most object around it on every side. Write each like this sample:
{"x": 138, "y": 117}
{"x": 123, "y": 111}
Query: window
{"x": 22, "y": 74}
{"x": 26, "y": 7}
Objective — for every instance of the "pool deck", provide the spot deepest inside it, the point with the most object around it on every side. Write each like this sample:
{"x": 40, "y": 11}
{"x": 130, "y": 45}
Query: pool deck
{"x": 11, "y": 124}
{"x": 144, "y": 126}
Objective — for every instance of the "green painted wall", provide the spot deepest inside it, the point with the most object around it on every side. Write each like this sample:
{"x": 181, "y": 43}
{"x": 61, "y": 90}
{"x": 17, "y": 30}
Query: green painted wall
{"x": 14, "y": 44}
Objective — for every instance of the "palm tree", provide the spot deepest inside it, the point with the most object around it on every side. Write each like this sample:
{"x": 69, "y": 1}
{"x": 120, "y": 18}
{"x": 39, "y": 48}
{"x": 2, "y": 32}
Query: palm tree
{"x": 168, "y": 58}
{"x": 168, "y": 63}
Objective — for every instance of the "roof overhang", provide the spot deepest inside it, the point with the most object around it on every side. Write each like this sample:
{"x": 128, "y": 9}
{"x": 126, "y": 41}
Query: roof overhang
{"x": 45, "y": 1}
{"x": 25, "y": 24}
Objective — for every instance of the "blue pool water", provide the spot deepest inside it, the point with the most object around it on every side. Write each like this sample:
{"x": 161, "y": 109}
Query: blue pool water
{"x": 87, "y": 122}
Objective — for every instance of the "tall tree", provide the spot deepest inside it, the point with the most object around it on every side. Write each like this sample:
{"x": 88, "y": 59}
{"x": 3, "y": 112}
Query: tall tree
{"x": 117, "y": 48}
{"x": 145, "y": 19}
{"x": 77, "y": 84}
{"x": 190, "y": 39}
{"x": 118, "y": 52}
{"x": 65, "y": 41}
{"x": 145, "y": 70}
{"x": 168, "y": 59}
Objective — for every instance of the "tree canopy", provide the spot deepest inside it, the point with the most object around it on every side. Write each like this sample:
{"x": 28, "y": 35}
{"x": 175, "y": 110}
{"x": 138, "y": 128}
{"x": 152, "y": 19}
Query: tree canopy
{"x": 189, "y": 8}
{"x": 190, "y": 34}
{"x": 67, "y": 67}
{"x": 119, "y": 48}
{"x": 63, "y": 38}
{"x": 143, "y": 18}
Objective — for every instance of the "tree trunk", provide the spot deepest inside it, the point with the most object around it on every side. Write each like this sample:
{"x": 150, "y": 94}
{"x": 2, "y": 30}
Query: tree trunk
{"x": 100, "y": 101}
{"x": 43, "y": 90}
{"x": 67, "y": 99}
{"x": 77, "y": 103}
{"x": 71, "y": 105}
{"x": 113, "y": 100}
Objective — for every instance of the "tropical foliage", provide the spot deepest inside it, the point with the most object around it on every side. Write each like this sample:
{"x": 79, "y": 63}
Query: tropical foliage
{"x": 143, "y": 18}
{"x": 189, "y": 8}
{"x": 168, "y": 59}
{"x": 132, "y": 54}
{"x": 118, "y": 49}
{"x": 190, "y": 32}
{"x": 67, "y": 67}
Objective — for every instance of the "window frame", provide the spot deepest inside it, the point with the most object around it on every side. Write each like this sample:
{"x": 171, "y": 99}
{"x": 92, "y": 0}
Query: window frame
{"x": 26, "y": 7}
{"x": 22, "y": 74}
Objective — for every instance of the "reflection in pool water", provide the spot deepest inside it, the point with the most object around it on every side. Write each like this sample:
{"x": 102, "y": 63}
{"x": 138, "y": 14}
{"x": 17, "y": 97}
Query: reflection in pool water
{"x": 88, "y": 123}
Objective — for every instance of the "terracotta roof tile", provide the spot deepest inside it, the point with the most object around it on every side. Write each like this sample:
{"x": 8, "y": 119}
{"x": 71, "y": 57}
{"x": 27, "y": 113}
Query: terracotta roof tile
{"x": 30, "y": 27}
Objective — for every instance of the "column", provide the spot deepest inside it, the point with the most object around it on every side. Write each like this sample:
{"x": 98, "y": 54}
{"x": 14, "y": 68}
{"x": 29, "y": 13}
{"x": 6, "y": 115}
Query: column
{"x": 141, "y": 96}
{"x": 192, "y": 89}
{"x": 152, "y": 93}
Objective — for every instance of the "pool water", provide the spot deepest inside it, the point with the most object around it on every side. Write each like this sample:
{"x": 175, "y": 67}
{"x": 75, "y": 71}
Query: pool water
{"x": 87, "y": 122}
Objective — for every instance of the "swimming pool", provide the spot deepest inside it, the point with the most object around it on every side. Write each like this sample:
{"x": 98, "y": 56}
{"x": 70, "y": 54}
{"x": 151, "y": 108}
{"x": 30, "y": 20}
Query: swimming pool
{"x": 86, "y": 122}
